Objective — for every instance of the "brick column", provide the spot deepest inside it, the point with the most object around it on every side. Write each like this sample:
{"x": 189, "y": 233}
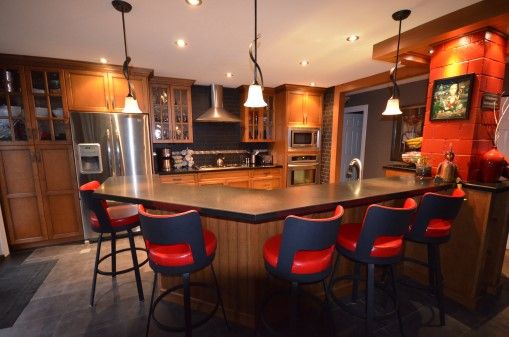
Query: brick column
{"x": 481, "y": 53}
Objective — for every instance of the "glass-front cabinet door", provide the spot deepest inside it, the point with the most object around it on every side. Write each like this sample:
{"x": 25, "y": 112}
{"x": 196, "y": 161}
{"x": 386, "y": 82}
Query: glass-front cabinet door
{"x": 171, "y": 110}
{"x": 47, "y": 101}
{"x": 13, "y": 118}
{"x": 259, "y": 122}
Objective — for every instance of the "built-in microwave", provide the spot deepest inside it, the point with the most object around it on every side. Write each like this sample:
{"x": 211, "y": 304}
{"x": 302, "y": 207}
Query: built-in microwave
{"x": 304, "y": 138}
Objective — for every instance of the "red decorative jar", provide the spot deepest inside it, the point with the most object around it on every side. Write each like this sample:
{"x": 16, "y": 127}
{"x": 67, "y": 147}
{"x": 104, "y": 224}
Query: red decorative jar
{"x": 492, "y": 165}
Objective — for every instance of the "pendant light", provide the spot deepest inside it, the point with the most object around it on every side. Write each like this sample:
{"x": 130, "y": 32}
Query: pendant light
{"x": 393, "y": 102}
{"x": 130, "y": 104}
{"x": 255, "y": 93}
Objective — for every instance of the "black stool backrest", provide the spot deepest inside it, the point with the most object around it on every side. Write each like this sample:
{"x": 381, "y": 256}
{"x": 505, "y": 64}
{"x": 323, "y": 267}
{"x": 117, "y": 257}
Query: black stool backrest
{"x": 301, "y": 234}
{"x": 96, "y": 206}
{"x": 383, "y": 221}
{"x": 173, "y": 229}
{"x": 436, "y": 206}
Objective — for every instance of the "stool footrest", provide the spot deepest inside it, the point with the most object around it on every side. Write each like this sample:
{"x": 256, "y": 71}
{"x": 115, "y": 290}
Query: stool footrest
{"x": 123, "y": 271}
{"x": 195, "y": 324}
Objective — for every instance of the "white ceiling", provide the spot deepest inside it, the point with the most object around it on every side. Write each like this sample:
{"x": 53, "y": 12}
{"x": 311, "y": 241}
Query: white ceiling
{"x": 219, "y": 33}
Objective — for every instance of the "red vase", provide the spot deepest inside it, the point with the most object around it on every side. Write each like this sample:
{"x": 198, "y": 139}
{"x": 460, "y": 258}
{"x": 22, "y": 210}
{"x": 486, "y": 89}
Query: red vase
{"x": 492, "y": 164}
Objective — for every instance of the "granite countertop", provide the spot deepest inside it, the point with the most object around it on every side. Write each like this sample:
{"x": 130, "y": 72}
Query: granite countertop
{"x": 256, "y": 206}
{"x": 218, "y": 169}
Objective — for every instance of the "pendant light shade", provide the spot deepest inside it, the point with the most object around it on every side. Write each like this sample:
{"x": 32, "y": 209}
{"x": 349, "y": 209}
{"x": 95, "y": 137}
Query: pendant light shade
{"x": 255, "y": 93}
{"x": 130, "y": 104}
{"x": 392, "y": 108}
{"x": 255, "y": 97}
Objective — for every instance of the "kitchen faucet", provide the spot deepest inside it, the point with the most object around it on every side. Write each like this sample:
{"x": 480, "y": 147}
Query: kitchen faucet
{"x": 356, "y": 162}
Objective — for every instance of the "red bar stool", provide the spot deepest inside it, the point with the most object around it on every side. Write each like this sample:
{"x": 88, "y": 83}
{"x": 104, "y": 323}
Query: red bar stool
{"x": 432, "y": 227}
{"x": 112, "y": 220}
{"x": 178, "y": 245}
{"x": 378, "y": 240}
{"x": 301, "y": 254}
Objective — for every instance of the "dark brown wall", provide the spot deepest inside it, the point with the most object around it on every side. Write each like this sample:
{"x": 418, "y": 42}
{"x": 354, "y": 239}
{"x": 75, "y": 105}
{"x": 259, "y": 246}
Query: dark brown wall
{"x": 379, "y": 131}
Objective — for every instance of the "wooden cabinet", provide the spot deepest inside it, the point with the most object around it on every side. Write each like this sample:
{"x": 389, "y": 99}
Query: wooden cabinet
{"x": 266, "y": 179}
{"x": 22, "y": 202}
{"x": 258, "y": 123}
{"x": 171, "y": 110}
{"x": 304, "y": 108}
{"x": 102, "y": 91}
{"x": 14, "y": 118}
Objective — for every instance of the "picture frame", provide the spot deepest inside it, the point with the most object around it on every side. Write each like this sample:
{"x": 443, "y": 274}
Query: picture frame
{"x": 451, "y": 98}
{"x": 407, "y": 126}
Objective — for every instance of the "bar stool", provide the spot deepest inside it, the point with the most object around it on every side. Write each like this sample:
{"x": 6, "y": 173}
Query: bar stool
{"x": 432, "y": 227}
{"x": 177, "y": 245}
{"x": 302, "y": 253}
{"x": 112, "y": 220}
{"x": 378, "y": 240}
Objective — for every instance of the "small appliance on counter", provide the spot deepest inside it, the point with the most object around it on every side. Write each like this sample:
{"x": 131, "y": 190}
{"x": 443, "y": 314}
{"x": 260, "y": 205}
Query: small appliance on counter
{"x": 164, "y": 159}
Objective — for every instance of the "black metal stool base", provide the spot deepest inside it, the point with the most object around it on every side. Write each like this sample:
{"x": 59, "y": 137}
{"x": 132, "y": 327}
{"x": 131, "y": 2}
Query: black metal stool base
{"x": 183, "y": 327}
{"x": 294, "y": 294}
{"x": 123, "y": 271}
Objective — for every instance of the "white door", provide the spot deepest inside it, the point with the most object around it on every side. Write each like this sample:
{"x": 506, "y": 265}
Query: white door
{"x": 352, "y": 139}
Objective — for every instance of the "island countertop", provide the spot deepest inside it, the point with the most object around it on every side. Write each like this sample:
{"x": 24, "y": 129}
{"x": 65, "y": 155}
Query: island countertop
{"x": 257, "y": 206}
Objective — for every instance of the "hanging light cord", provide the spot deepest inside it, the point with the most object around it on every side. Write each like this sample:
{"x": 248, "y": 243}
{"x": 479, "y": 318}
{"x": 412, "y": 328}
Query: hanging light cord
{"x": 254, "y": 45}
{"x": 125, "y": 66}
{"x": 394, "y": 75}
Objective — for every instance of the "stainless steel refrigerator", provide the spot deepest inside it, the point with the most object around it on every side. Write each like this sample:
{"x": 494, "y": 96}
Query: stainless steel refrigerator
{"x": 109, "y": 144}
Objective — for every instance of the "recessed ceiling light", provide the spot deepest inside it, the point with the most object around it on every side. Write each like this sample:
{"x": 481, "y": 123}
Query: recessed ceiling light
{"x": 431, "y": 51}
{"x": 181, "y": 43}
{"x": 312, "y": 84}
{"x": 193, "y": 2}
{"x": 304, "y": 63}
{"x": 352, "y": 38}
{"x": 229, "y": 75}
{"x": 103, "y": 60}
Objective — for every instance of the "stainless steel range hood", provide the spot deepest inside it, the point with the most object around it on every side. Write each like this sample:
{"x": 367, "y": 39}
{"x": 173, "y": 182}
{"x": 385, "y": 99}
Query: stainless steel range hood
{"x": 216, "y": 113}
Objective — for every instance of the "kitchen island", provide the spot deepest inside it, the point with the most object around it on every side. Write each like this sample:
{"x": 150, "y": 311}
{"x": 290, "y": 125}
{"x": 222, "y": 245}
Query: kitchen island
{"x": 243, "y": 219}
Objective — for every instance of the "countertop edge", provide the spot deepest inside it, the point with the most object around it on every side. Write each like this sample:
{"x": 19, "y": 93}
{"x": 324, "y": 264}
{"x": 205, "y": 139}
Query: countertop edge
{"x": 219, "y": 169}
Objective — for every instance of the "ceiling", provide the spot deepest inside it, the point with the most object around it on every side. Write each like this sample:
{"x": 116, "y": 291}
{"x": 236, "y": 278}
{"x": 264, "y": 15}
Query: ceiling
{"x": 218, "y": 33}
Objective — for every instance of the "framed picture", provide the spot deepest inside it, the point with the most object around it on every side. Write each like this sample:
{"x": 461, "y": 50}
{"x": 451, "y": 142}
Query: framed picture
{"x": 406, "y": 130}
{"x": 451, "y": 97}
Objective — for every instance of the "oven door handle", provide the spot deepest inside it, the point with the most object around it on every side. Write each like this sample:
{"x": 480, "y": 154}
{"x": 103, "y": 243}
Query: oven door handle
{"x": 303, "y": 165}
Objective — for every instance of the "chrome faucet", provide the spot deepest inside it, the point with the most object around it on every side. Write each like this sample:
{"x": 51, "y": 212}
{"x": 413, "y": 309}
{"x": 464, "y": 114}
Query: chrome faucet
{"x": 357, "y": 164}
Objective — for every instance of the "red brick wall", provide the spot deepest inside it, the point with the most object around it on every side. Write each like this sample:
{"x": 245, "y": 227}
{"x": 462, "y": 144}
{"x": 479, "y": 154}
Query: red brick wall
{"x": 481, "y": 53}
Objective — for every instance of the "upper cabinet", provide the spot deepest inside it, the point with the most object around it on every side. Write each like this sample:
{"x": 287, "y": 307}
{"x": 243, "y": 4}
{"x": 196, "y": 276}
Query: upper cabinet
{"x": 257, "y": 123}
{"x": 14, "y": 119}
{"x": 99, "y": 91}
{"x": 171, "y": 110}
{"x": 50, "y": 116}
{"x": 304, "y": 108}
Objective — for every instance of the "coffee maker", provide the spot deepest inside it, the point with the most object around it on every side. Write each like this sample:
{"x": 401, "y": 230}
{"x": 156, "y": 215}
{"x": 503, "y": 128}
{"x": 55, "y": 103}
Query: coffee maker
{"x": 164, "y": 159}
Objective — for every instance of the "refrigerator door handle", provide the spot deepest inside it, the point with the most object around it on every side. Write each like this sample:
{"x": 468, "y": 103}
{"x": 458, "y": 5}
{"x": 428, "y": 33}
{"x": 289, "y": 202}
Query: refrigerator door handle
{"x": 119, "y": 155}
{"x": 109, "y": 150}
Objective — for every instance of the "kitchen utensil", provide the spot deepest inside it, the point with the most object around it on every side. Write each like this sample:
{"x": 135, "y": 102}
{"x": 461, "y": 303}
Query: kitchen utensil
{"x": 220, "y": 160}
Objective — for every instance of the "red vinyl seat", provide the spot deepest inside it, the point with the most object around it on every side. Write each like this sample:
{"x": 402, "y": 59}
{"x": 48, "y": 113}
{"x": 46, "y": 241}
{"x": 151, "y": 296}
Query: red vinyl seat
{"x": 180, "y": 254}
{"x": 122, "y": 215}
{"x": 438, "y": 228}
{"x": 384, "y": 246}
{"x": 305, "y": 262}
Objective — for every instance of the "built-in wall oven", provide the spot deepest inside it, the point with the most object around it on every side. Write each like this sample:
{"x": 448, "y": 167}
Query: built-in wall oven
{"x": 304, "y": 139}
{"x": 303, "y": 169}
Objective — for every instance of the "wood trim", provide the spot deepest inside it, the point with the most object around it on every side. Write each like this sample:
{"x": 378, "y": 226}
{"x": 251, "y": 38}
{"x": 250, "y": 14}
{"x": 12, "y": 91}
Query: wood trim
{"x": 337, "y": 135}
{"x": 299, "y": 88}
{"x": 36, "y": 61}
{"x": 181, "y": 82}
{"x": 487, "y": 13}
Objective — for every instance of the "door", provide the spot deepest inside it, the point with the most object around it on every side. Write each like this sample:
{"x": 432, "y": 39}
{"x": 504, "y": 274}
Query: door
{"x": 59, "y": 191}
{"x": 87, "y": 90}
{"x": 119, "y": 91}
{"x": 21, "y": 198}
{"x": 131, "y": 144}
{"x": 352, "y": 140}
{"x": 295, "y": 107}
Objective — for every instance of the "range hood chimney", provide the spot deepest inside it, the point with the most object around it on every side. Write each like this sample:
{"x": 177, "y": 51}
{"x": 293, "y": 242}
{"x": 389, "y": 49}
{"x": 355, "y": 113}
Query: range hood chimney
{"x": 216, "y": 113}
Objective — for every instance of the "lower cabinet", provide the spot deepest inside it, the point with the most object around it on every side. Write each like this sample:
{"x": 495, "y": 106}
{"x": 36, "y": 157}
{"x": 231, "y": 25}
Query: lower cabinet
{"x": 39, "y": 194}
{"x": 266, "y": 179}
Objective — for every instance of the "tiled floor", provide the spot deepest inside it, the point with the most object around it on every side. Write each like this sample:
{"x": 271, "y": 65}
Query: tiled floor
{"x": 60, "y": 306}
